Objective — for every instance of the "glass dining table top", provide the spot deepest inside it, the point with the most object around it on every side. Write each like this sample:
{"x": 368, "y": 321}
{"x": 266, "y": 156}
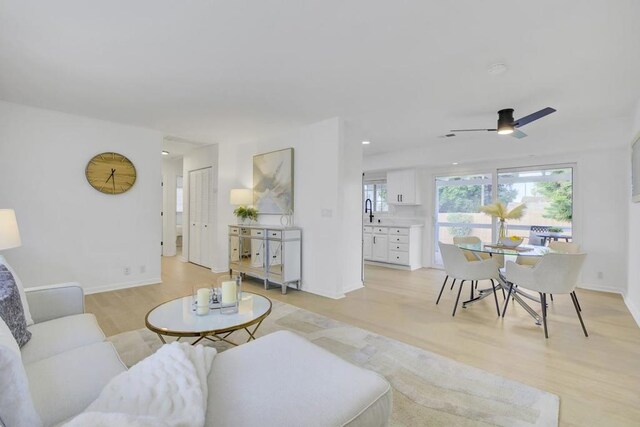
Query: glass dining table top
{"x": 522, "y": 250}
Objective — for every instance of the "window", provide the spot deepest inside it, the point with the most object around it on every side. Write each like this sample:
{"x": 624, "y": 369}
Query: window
{"x": 457, "y": 213}
{"x": 377, "y": 193}
{"x": 179, "y": 194}
{"x": 546, "y": 190}
{"x": 548, "y": 194}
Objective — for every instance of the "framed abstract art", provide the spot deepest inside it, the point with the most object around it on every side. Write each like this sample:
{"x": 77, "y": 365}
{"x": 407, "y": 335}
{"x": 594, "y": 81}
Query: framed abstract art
{"x": 273, "y": 182}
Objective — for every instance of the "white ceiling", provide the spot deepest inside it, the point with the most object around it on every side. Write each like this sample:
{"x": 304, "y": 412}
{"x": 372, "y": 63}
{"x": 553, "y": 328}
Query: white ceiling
{"x": 403, "y": 72}
{"x": 177, "y": 147}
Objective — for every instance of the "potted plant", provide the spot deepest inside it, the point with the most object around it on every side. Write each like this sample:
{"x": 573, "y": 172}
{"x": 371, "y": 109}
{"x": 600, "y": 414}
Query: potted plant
{"x": 555, "y": 230}
{"x": 245, "y": 213}
{"x": 499, "y": 210}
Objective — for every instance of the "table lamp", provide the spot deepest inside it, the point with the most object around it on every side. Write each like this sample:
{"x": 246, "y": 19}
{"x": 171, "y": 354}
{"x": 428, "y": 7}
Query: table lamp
{"x": 9, "y": 234}
{"x": 241, "y": 197}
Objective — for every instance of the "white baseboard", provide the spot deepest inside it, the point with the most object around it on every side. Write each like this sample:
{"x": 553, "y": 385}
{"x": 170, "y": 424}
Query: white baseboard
{"x": 322, "y": 293}
{"x": 219, "y": 270}
{"x": 387, "y": 265}
{"x": 600, "y": 288}
{"x": 635, "y": 312}
{"x": 125, "y": 285}
{"x": 354, "y": 287}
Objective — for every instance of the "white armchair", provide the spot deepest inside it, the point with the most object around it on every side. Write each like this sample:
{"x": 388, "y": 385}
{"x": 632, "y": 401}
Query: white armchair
{"x": 555, "y": 274}
{"x": 459, "y": 268}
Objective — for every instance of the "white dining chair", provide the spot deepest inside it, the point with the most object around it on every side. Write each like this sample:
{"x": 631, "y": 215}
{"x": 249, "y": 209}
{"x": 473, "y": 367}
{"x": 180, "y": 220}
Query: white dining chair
{"x": 476, "y": 256}
{"x": 565, "y": 247}
{"x": 458, "y": 267}
{"x": 556, "y": 273}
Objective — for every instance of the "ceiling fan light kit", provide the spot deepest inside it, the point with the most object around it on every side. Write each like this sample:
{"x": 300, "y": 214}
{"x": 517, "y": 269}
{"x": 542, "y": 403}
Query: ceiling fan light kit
{"x": 505, "y": 121}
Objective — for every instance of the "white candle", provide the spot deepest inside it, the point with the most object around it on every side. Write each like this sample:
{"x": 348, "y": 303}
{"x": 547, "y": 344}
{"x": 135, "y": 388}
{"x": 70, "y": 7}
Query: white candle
{"x": 229, "y": 293}
{"x": 202, "y": 301}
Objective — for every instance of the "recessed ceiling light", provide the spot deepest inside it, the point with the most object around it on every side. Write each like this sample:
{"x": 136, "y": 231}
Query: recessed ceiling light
{"x": 165, "y": 153}
{"x": 495, "y": 69}
{"x": 366, "y": 142}
{"x": 455, "y": 163}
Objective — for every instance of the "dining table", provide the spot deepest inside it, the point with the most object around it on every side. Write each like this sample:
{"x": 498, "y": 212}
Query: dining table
{"x": 510, "y": 254}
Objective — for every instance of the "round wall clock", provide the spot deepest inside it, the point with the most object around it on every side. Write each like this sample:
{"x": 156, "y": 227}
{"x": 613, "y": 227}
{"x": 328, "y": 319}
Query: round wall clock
{"x": 110, "y": 173}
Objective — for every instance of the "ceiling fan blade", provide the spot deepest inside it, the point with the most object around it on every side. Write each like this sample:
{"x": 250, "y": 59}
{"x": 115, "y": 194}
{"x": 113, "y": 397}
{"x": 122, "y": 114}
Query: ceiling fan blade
{"x": 518, "y": 134}
{"x": 473, "y": 130}
{"x": 535, "y": 116}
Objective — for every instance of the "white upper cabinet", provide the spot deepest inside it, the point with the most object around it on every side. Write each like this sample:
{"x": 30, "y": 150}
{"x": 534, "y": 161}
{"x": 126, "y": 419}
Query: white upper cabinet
{"x": 403, "y": 188}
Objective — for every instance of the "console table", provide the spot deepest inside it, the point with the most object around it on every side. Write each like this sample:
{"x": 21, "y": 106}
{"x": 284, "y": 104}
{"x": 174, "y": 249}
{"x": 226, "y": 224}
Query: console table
{"x": 267, "y": 252}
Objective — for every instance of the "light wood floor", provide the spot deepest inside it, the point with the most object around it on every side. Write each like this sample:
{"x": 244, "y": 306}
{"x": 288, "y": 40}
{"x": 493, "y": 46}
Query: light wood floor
{"x": 597, "y": 378}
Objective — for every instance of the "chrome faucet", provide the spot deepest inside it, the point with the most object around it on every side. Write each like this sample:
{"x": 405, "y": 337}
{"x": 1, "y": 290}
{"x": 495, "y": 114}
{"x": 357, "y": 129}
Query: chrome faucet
{"x": 368, "y": 207}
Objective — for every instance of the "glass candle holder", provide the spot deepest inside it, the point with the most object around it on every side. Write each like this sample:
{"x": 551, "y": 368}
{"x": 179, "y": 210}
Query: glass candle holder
{"x": 230, "y": 294}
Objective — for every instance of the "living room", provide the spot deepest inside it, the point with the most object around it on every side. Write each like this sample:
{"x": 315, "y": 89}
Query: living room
{"x": 347, "y": 93}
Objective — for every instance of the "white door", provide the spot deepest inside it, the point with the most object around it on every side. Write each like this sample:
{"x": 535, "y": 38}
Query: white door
{"x": 380, "y": 248}
{"x": 200, "y": 217}
{"x": 194, "y": 223}
{"x": 367, "y": 249}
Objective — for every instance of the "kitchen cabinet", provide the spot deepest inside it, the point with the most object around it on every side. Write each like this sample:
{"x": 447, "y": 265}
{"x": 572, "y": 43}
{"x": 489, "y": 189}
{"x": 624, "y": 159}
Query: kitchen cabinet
{"x": 393, "y": 246}
{"x": 403, "y": 187}
{"x": 367, "y": 246}
{"x": 380, "y": 248}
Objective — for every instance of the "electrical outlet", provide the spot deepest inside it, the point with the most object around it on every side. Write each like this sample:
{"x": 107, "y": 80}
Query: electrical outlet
{"x": 143, "y": 269}
{"x": 600, "y": 275}
{"x": 127, "y": 271}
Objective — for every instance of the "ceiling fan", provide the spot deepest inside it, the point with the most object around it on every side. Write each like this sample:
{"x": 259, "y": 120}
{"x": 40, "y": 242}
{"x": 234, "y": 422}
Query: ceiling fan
{"x": 508, "y": 126}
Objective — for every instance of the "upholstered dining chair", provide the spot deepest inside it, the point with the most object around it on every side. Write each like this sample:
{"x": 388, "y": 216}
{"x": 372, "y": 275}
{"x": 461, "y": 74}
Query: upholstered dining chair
{"x": 458, "y": 267}
{"x": 565, "y": 247}
{"x": 471, "y": 256}
{"x": 556, "y": 273}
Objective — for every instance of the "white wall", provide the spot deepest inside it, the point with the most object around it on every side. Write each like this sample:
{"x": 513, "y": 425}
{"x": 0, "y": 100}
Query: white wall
{"x": 70, "y": 231}
{"x": 599, "y": 226}
{"x": 327, "y": 176}
{"x": 633, "y": 292}
{"x": 171, "y": 170}
{"x": 200, "y": 158}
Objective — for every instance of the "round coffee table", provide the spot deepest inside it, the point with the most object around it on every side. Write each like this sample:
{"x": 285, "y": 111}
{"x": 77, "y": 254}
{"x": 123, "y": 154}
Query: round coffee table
{"x": 177, "y": 318}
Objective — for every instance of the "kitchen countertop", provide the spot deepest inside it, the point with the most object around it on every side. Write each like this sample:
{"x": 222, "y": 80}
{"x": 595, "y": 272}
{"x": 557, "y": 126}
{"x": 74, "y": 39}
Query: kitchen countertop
{"x": 392, "y": 224}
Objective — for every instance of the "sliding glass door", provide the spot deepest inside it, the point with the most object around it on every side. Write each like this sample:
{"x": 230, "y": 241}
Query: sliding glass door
{"x": 546, "y": 190}
{"x": 548, "y": 193}
{"x": 457, "y": 203}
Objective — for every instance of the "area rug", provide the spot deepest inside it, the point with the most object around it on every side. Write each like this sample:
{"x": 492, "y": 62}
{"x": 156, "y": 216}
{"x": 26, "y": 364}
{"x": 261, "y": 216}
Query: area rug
{"x": 428, "y": 389}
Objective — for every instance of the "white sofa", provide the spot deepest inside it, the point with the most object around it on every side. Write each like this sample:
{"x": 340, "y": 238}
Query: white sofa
{"x": 278, "y": 380}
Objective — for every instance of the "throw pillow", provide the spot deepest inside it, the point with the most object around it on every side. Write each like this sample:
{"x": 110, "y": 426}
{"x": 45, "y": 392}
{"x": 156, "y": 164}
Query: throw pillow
{"x": 16, "y": 405}
{"x": 11, "y": 307}
{"x": 23, "y": 296}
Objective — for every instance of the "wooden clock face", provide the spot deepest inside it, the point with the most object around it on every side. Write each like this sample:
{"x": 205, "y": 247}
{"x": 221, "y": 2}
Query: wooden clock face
{"x": 111, "y": 173}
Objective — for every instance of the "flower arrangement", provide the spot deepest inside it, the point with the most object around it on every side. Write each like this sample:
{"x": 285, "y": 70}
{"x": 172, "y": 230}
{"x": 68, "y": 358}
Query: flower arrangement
{"x": 499, "y": 210}
{"x": 243, "y": 213}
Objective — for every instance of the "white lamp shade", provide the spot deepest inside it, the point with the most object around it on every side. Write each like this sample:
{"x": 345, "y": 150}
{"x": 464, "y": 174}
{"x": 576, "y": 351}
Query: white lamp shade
{"x": 241, "y": 196}
{"x": 9, "y": 234}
